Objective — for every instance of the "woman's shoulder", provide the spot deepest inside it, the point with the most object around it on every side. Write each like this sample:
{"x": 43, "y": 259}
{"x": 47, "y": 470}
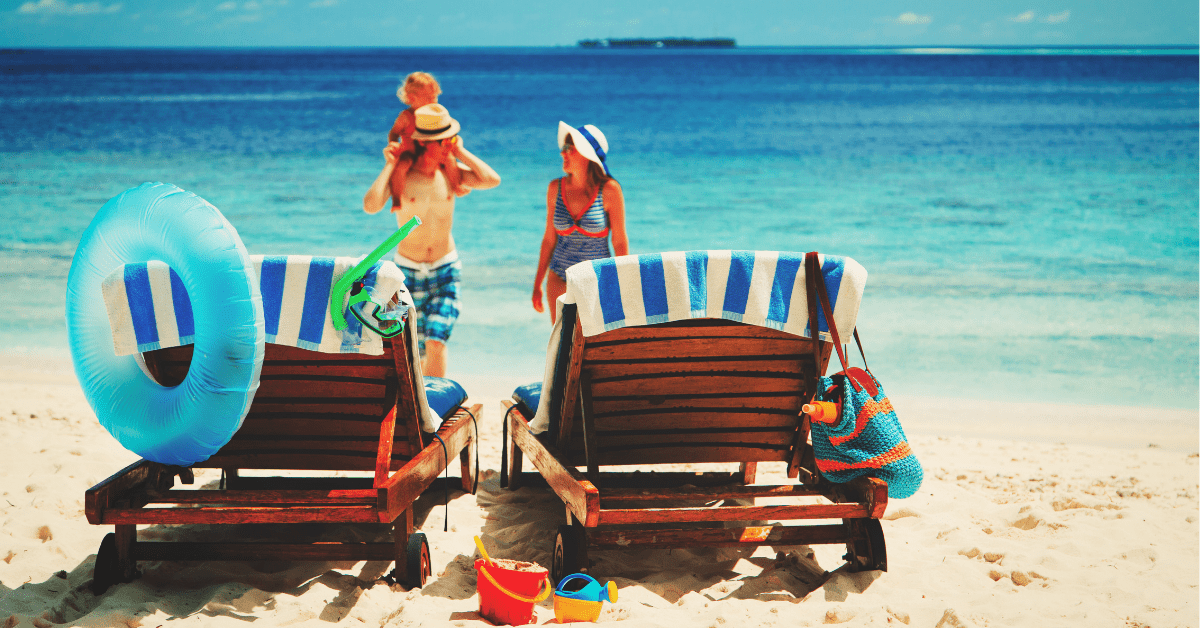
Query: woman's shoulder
{"x": 611, "y": 186}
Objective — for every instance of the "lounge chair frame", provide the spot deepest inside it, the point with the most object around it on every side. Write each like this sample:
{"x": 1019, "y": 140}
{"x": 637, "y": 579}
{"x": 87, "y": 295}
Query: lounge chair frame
{"x": 698, "y": 391}
{"x": 312, "y": 411}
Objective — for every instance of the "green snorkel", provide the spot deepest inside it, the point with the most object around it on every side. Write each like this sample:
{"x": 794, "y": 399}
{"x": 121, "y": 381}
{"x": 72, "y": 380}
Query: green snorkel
{"x": 351, "y": 283}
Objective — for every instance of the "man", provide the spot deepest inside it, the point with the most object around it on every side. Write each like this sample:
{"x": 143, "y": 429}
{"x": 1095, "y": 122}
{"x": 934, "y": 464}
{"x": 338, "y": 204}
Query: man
{"x": 427, "y": 256}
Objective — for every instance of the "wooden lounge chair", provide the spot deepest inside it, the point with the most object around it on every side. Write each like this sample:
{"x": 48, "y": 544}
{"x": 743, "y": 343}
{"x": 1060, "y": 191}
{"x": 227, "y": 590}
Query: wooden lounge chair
{"x": 705, "y": 390}
{"x": 312, "y": 411}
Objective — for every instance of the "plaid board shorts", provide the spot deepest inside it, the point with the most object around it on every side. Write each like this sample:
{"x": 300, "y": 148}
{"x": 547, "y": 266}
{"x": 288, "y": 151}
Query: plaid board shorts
{"x": 434, "y": 289}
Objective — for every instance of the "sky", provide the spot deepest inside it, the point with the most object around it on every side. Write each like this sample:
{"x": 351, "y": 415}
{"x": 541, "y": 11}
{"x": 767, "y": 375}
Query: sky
{"x": 134, "y": 23}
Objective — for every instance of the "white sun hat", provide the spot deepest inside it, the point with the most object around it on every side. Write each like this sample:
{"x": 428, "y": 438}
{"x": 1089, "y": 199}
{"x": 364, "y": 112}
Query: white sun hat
{"x": 588, "y": 140}
{"x": 434, "y": 123}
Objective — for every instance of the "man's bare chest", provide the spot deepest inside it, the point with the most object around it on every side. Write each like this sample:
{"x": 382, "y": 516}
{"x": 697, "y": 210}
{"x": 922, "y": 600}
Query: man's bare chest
{"x": 424, "y": 188}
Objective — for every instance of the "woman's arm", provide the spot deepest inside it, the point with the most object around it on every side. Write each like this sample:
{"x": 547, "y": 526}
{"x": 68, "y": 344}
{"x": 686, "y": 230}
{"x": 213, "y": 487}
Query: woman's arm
{"x": 379, "y": 192}
{"x": 549, "y": 240}
{"x": 614, "y": 204}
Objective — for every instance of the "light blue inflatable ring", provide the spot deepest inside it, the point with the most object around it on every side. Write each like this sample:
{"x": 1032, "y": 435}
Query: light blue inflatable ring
{"x": 184, "y": 424}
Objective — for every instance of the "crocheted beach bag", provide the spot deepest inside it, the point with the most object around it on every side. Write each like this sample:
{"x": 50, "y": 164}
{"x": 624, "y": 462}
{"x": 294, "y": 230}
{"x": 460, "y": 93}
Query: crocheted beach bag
{"x": 866, "y": 438}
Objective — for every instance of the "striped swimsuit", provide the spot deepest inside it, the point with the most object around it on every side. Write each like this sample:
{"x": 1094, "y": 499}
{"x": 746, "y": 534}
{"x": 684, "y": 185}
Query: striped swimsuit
{"x": 579, "y": 240}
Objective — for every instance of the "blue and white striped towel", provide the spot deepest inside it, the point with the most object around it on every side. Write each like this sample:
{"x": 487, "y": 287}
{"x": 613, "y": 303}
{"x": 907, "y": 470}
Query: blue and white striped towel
{"x": 148, "y": 306}
{"x": 765, "y": 288}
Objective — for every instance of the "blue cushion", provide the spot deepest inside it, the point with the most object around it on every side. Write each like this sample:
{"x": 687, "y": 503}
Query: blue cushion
{"x": 529, "y": 396}
{"x": 444, "y": 395}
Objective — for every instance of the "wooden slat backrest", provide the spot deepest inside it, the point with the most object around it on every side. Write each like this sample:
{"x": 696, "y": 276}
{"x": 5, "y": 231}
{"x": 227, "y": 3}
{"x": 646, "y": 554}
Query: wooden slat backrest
{"x": 695, "y": 391}
{"x": 315, "y": 411}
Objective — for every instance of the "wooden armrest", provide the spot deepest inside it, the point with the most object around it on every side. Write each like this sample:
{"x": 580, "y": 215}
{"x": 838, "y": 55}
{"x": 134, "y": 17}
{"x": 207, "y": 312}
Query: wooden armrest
{"x": 401, "y": 488}
{"x": 131, "y": 485}
{"x": 864, "y": 490}
{"x": 579, "y": 494}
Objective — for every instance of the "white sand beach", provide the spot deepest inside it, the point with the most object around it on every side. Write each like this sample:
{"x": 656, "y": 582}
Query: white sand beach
{"x": 1030, "y": 515}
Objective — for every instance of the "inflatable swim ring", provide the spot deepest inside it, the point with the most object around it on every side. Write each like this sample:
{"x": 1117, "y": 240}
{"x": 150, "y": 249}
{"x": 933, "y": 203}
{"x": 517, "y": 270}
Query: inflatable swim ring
{"x": 183, "y": 424}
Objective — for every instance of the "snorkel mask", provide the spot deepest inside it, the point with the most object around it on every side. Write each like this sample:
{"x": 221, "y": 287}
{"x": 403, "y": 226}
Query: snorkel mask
{"x": 369, "y": 311}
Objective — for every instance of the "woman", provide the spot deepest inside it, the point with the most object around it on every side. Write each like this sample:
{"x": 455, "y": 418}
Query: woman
{"x": 582, "y": 209}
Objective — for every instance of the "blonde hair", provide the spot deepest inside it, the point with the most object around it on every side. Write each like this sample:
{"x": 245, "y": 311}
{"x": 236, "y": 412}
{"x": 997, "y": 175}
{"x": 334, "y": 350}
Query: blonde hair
{"x": 417, "y": 81}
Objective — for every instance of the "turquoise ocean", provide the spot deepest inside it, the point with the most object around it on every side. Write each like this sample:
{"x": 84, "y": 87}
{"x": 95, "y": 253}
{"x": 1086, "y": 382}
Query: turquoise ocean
{"x": 1029, "y": 218}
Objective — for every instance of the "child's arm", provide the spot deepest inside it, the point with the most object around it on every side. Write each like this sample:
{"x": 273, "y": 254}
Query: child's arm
{"x": 403, "y": 126}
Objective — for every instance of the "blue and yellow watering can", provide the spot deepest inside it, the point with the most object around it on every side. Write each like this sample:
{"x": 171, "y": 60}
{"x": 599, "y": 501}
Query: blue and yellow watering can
{"x": 579, "y": 598}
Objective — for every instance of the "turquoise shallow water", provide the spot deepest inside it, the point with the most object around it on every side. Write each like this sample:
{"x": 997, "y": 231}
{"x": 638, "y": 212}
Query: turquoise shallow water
{"x": 1030, "y": 227}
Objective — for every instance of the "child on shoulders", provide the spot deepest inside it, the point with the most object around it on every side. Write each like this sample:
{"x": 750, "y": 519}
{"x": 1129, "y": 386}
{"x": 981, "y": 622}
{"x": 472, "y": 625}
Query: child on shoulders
{"x": 419, "y": 89}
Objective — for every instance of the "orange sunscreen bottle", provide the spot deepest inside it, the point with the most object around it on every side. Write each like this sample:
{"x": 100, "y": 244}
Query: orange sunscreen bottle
{"x": 823, "y": 411}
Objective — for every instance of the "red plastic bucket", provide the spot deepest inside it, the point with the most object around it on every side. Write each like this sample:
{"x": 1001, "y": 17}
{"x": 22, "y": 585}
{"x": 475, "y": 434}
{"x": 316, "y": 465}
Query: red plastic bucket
{"x": 508, "y": 589}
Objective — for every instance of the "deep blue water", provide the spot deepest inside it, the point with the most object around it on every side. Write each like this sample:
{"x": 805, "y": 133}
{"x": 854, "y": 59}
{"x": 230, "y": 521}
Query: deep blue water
{"x": 1029, "y": 221}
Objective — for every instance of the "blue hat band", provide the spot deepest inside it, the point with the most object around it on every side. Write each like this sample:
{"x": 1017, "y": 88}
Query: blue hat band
{"x": 595, "y": 146}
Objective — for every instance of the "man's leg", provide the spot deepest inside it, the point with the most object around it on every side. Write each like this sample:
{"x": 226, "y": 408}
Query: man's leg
{"x": 434, "y": 362}
{"x": 441, "y": 312}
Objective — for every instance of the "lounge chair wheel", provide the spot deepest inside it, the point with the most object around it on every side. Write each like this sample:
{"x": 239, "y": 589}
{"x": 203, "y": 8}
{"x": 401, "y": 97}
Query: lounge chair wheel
{"x": 568, "y": 553}
{"x": 867, "y": 551}
{"x": 418, "y": 566}
{"x": 107, "y": 571}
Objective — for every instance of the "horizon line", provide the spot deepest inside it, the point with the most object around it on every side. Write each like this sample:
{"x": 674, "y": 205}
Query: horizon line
{"x": 8, "y": 49}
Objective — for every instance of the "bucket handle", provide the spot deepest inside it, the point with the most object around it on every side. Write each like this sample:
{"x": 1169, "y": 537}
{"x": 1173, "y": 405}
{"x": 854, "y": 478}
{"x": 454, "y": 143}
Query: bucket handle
{"x": 546, "y": 588}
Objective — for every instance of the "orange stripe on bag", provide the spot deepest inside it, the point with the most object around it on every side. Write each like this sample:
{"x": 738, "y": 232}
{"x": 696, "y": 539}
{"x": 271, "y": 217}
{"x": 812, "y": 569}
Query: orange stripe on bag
{"x": 869, "y": 410}
{"x": 899, "y": 452}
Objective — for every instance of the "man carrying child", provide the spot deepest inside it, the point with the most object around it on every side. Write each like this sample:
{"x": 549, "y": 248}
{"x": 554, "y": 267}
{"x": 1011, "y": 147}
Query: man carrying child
{"x": 428, "y": 256}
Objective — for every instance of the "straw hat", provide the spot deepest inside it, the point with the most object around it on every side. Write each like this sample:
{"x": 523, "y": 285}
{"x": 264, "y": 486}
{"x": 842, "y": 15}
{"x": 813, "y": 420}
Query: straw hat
{"x": 434, "y": 123}
{"x": 588, "y": 140}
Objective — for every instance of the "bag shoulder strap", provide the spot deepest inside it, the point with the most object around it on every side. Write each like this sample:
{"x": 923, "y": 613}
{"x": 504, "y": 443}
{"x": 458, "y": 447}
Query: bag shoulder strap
{"x": 860, "y": 350}
{"x": 815, "y": 279}
{"x": 810, "y": 284}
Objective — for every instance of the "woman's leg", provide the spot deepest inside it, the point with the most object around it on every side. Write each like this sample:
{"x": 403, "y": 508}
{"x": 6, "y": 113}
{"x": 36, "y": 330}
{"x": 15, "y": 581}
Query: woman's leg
{"x": 555, "y": 287}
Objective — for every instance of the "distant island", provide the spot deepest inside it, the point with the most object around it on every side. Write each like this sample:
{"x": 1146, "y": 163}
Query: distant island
{"x": 666, "y": 42}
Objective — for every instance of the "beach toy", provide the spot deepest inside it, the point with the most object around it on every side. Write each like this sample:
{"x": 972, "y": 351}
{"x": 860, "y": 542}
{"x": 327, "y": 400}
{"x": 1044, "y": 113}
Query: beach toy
{"x": 388, "y": 325}
{"x": 823, "y": 411}
{"x": 187, "y": 423}
{"x": 579, "y": 598}
{"x": 483, "y": 551}
{"x": 508, "y": 589}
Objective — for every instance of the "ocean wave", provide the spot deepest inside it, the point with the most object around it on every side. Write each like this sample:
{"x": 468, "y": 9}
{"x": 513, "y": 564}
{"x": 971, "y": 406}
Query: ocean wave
{"x": 979, "y": 285}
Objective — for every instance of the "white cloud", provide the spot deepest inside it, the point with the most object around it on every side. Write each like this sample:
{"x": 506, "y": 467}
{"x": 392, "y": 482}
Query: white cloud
{"x": 1057, "y": 18}
{"x": 323, "y": 3}
{"x": 1024, "y": 17}
{"x": 227, "y": 6}
{"x": 65, "y": 8}
{"x": 910, "y": 18}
